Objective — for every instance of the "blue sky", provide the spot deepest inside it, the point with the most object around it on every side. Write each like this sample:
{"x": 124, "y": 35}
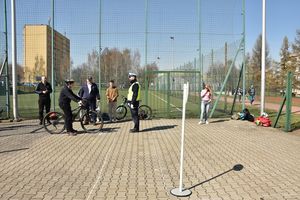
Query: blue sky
{"x": 282, "y": 19}
{"x": 123, "y": 25}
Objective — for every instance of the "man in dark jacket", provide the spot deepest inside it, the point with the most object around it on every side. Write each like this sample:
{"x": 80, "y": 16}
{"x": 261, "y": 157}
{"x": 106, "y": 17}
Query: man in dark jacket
{"x": 90, "y": 93}
{"x": 65, "y": 97}
{"x": 133, "y": 98}
{"x": 43, "y": 89}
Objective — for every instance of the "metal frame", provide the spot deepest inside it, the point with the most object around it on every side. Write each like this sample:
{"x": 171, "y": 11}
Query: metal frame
{"x": 168, "y": 83}
{"x": 226, "y": 79}
{"x": 287, "y": 100}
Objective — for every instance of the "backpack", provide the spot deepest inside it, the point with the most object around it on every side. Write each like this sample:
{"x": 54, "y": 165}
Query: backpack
{"x": 263, "y": 121}
{"x": 246, "y": 115}
{"x": 105, "y": 117}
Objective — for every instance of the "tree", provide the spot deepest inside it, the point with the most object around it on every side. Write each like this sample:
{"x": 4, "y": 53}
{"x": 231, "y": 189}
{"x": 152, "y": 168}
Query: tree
{"x": 284, "y": 59}
{"x": 19, "y": 73}
{"x": 255, "y": 62}
{"x": 115, "y": 64}
{"x": 296, "y": 44}
{"x": 150, "y": 76}
{"x": 295, "y": 60}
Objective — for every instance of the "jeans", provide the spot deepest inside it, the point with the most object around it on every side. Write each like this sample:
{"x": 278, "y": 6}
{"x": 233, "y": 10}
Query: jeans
{"x": 204, "y": 110}
{"x": 112, "y": 110}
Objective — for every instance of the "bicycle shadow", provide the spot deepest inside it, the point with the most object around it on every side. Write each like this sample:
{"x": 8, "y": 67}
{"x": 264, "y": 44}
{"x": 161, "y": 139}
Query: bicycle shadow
{"x": 118, "y": 121}
{"x": 16, "y": 127}
{"x": 21, "y": 128}
{"x": 158, "y": 128}
{"x": 237, "y": 167}
{"x": 110, "y": 129}
{"x": 13, "y": 150}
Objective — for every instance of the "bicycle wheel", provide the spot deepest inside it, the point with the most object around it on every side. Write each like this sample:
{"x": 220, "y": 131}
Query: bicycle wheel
{"x": 54, "y": 122}
{"x": 145, "y": 112}
{"x": 91, "y": 122}
{"x": 121, "y": 112}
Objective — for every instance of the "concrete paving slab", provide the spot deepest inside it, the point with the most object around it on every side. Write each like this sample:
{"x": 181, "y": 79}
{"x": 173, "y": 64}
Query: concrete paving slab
{"x": 116, "y": 164}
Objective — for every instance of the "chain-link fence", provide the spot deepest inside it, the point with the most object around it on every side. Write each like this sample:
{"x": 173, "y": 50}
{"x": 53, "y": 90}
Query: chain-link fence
{"x": 4, "y": 97}
{"x": 199, "y": 36}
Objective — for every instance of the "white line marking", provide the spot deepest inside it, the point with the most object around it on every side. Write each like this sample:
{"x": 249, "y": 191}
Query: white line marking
{"x": 100, "y": 172}
{"x": 167, "y": 102}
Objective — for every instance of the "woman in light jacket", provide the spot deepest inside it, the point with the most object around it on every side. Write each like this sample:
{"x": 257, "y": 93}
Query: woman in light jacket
{"x": 206, "y": 96}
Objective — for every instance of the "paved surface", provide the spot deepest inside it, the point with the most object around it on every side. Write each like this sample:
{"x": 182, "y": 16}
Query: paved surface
{"x": 115, "y": 164}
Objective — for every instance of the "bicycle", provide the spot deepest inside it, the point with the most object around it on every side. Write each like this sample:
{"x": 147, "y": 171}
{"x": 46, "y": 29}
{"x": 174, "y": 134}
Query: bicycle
{"x": 91, "y": 122}
{"x": 145, "y": 112}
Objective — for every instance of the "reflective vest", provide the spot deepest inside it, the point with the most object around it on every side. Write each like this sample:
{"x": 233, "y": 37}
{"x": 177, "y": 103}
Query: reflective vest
{"x": 130, "y": 93}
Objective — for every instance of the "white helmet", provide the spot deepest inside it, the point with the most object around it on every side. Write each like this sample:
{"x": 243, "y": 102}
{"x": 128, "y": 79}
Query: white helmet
{"x": 131, "y": 74}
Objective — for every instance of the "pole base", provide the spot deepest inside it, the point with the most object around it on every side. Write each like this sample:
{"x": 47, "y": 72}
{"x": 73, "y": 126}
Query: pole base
{"x": 184, "y": 193}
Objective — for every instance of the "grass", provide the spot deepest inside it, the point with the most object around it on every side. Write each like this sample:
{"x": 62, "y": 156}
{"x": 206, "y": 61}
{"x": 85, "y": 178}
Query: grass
{"x": 28, "y": 106}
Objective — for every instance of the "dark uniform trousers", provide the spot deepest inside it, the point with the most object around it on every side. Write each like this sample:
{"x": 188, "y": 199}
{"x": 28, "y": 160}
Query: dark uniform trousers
{"x": 44, "y": 103}
{"x": 135, "y": 116}
{"x": 68, "y": 116}
{"x": 91, "y": 105}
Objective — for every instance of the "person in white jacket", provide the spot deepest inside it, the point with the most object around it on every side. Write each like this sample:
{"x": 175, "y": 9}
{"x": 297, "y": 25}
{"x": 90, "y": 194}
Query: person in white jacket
{"x": 206, "y": 96}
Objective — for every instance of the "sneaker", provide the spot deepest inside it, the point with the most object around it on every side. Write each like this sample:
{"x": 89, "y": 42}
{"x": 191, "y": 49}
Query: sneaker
{"x": 71, "y": 133}
{"x": 206, "y": 122}
{"x": 134, "y": 130}
{"x": 201, "y": 122}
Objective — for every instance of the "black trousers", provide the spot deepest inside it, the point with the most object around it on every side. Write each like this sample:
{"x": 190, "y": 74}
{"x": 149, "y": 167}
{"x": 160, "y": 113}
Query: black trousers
{"x": 135, "y": 116}
{"x": 68, "y": 116}
{"x": 44, "y": 103}
{"x": 91, "y": 105}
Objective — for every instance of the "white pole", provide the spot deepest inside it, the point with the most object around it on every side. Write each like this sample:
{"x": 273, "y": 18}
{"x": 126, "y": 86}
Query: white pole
{"x": 172, "y": 38}
{"x": 14, "y": 59}
{"x": 179, "y": 191}
{"x": 263, "y": 58}
{"x": 185, "y": 96}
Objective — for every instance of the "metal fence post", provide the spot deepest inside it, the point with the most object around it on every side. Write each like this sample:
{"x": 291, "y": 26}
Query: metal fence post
{"x": 168, "y": 93}
{"x": 288, "y": 102}
{"x": 6, "y": 63}
{"x": 52, "y": 58}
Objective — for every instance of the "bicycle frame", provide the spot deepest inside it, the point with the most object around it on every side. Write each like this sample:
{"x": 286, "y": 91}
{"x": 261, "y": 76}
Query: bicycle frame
{"x": 124, "y": 103}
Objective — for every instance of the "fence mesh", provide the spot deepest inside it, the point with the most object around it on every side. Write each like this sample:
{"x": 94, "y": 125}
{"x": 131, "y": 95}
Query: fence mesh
{"x": 3, "y": 98}
{"x": 127, "y": 36}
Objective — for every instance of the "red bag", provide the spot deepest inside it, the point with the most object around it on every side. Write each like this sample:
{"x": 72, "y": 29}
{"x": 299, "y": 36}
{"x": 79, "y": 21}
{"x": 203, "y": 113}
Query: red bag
{"x": 264, "y": 121}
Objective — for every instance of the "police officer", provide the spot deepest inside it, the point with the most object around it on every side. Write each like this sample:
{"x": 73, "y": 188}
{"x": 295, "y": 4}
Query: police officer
{"x": 65, "y": 97}
{"x": 43, "y": 89}
{"x": 133, "y": 98}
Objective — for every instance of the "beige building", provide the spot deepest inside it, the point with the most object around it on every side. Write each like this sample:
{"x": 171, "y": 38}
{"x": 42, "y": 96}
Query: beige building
{"x": 37, "y": 54}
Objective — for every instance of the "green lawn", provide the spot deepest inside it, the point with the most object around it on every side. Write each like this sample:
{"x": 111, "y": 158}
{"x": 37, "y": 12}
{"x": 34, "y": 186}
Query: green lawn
{"x": 28, "y": 106}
